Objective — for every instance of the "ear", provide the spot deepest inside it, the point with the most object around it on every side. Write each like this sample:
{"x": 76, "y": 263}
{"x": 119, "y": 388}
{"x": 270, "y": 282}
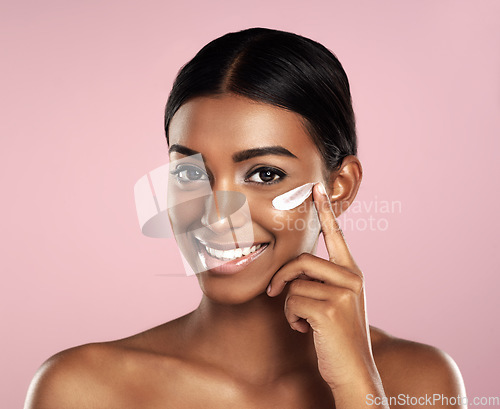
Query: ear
{"x": 343, "y": 184}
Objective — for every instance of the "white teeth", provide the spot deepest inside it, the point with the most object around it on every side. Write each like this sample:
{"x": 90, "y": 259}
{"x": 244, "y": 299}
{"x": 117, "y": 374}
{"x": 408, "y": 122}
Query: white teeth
{"x": 226, "y": 255}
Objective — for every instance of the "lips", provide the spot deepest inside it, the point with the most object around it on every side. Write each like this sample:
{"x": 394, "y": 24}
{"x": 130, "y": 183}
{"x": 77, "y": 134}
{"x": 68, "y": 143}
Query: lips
{"x": 226, "y": 255}
{"x": 224, "y": 258}
{"x": 226, "y": 246}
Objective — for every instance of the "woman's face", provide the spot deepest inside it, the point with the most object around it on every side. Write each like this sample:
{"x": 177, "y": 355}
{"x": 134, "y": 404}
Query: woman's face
{"x": 229, "y": 132}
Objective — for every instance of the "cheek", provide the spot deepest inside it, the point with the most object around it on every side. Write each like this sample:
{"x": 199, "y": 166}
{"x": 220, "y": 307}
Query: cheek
{"x": 183, "y": 216}
{"x": 296, "y": 229}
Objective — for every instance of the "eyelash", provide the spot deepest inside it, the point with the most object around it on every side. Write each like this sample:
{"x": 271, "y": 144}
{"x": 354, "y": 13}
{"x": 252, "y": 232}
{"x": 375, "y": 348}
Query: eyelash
{"x": 182, "y": 168}
{"x": 275, "y": 171}
{"x": 278, "y": 172}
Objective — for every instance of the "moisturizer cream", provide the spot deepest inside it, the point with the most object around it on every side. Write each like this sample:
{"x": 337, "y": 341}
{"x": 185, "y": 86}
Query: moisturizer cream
{"x": 293, "y": 198}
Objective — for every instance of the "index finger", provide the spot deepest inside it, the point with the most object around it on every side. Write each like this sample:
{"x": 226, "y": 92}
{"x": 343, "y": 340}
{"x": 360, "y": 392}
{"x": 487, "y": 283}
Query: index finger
{"x": 338, "y": 251}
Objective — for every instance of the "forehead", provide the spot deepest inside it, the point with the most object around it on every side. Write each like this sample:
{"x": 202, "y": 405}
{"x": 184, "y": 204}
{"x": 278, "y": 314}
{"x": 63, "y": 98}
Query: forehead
{"x": 236, "y": 123}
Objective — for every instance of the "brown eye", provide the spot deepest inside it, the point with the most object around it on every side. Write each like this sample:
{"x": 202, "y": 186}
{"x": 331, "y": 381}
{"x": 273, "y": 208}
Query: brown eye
{"x": 266, "y": 176}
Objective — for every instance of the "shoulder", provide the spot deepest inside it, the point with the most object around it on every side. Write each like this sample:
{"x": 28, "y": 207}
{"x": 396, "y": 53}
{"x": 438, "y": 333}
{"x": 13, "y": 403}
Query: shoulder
{"x": 415, "y": 369}
{"x": 107, "y": 374}
{"x": 64, "y": 380}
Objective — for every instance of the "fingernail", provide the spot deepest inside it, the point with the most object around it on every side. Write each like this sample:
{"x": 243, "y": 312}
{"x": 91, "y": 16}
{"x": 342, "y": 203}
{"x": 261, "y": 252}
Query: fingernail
{"x": 322, "y": 188}
{"x": 268, "y": 288}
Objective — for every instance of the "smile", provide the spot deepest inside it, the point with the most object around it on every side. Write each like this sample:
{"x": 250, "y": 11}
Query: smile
{"x": 227, "y": 255}
{"x": 225, "y": 259}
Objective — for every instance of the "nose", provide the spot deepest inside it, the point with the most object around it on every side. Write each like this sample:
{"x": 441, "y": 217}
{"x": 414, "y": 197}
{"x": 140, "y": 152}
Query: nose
{"x": 224, "y": 211}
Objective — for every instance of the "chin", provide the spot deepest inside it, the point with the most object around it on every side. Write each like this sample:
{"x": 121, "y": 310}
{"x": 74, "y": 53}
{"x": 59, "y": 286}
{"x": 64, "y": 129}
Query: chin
{"x": 230, "y": 293}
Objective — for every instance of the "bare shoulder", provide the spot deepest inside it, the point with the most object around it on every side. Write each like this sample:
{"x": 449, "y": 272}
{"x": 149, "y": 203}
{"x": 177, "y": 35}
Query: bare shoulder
{"x": 121, "y": 373}
{"x": 413, "y": 368}
{"x": 65, "y": 379}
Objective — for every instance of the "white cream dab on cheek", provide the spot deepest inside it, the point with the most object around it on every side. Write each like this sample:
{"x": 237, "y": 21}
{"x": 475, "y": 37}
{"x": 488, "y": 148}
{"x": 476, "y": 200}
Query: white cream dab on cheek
{"x": 293, "y": 198}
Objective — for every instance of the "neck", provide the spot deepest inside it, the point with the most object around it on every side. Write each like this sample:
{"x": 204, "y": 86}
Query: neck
{"x": 252, "y": 340}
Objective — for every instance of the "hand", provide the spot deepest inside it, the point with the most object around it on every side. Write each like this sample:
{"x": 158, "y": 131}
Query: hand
{"x": 328, "y": 296}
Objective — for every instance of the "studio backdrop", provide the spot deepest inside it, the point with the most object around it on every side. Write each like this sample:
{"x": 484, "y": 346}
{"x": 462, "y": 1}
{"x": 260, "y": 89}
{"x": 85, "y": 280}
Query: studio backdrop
{"x": 84, "y": 86}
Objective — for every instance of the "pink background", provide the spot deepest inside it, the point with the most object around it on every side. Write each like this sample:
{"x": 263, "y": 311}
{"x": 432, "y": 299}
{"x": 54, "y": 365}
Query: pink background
{"x": 84, "y": 85}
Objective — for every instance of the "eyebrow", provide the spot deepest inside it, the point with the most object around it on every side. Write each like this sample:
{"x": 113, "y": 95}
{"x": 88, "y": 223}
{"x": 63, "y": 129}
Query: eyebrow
{"x": 242, "y": 155}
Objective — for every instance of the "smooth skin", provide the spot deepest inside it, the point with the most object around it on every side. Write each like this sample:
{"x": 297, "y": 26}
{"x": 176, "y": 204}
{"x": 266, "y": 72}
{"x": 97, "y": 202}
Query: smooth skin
{"x": 304, "y": 344}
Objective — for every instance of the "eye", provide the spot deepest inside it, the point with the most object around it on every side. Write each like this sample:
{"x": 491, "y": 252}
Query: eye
{"x": 188, "y": 173}
{"x": 266, "y": 176}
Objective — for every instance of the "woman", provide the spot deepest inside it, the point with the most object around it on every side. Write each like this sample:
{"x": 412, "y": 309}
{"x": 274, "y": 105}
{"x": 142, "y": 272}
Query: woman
{"x": 266, "y": 111}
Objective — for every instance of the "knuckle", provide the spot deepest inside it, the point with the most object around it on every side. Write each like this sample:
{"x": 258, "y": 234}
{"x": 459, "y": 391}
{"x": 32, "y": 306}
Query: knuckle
{"x": 358, "y": 284}
{"x": 345, "y": 297}
{"x": 304, "y": 257}
{"x": 330, "y": 311}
